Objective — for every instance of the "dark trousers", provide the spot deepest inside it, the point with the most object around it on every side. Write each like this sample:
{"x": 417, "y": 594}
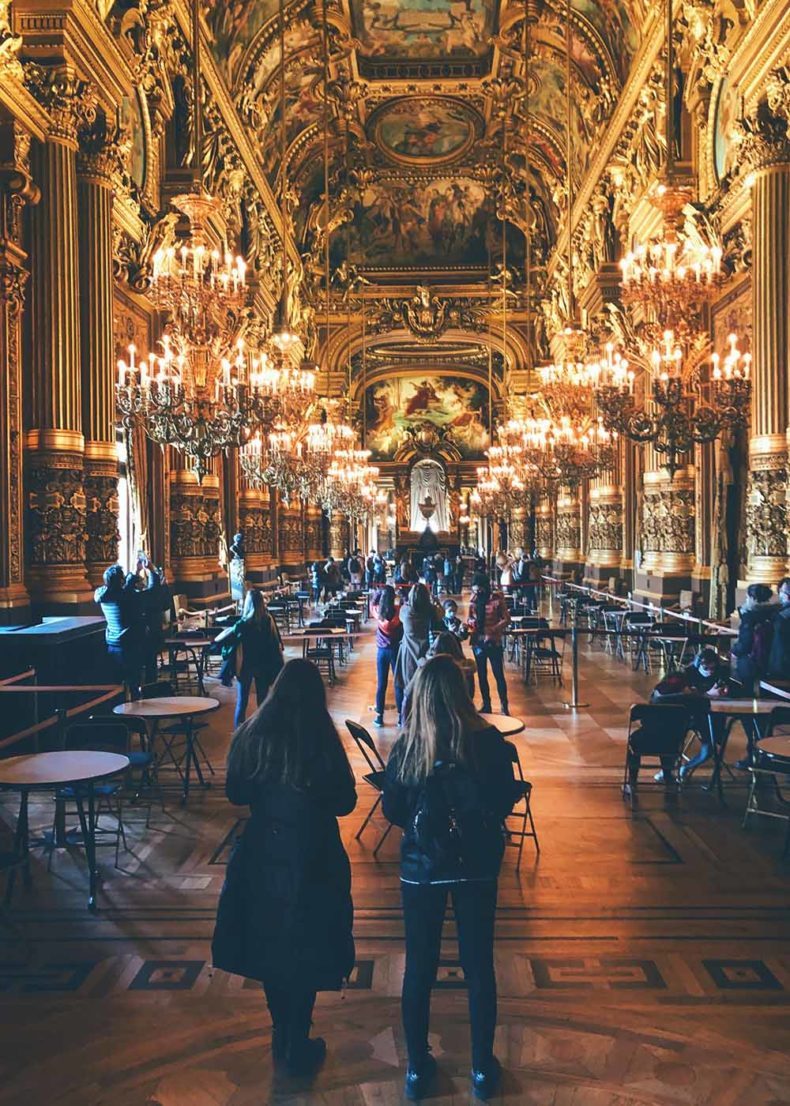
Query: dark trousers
{"x": 385, "y": 660}
{"x": 459, "y": 583}
{"x": 243, "y": 685}
{"x": 474, "y": 905}
{"x": 652, "y": 744}
{"x": 291, "y": 1011}
{"x": 495, "y": 654}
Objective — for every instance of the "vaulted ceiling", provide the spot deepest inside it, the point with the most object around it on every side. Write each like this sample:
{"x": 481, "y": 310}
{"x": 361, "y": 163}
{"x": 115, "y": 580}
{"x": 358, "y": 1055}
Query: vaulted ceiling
{"x": 422, "y": 105}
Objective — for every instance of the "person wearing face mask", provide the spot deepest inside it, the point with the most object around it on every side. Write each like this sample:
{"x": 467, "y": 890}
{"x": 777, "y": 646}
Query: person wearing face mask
{"x": 779, "y": 657}
{"x": 707, "y": 675}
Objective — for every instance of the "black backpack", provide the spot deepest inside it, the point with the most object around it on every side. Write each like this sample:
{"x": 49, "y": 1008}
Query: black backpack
{"x": 453, "y": 831}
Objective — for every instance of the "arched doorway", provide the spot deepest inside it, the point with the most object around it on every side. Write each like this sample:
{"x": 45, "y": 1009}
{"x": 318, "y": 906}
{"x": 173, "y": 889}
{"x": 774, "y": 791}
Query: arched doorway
{"x": 428, "y": 499}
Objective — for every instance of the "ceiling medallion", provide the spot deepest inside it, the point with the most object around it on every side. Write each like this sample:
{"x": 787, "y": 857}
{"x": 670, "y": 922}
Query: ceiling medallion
{"x": 430, "y": 131}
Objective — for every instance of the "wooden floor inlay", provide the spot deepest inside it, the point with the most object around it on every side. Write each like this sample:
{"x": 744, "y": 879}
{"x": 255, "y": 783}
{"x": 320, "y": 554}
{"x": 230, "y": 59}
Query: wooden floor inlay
{"x": 643, "y": 959}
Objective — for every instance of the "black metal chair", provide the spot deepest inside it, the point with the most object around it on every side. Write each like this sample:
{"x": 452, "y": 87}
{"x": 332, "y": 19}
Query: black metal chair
{"x": 100, "y": 735}
{"x": 523, "y": 816}
{"x": 374, "y": 777}
{"x": 317, "y": 647}
{"x": 657, "y": 731}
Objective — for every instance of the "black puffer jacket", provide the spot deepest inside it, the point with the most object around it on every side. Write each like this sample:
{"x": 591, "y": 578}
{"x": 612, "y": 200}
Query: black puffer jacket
{"x": 285, "y": 914}
{"x": 491, "y": 778}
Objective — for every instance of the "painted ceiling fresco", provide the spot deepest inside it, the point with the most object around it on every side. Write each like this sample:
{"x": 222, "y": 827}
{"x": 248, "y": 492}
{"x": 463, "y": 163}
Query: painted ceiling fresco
{"x": 433, "y": 130}
{"x": 423, "y": 28}
{"x": 456, "y": 405}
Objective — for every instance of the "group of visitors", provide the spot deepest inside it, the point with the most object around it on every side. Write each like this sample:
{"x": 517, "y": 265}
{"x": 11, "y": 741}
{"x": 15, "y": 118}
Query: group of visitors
{"x": 328, "y": 578}
{"x": 519, "y": 575}
{"x": 285, "y": 914}
{"x": 403, "y": 632}
{"x": 135, "y": 606}
{"x": 442, "y": 573}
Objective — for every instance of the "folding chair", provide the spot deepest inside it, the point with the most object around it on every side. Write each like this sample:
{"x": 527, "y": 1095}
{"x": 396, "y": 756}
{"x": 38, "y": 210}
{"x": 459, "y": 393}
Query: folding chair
{"x": 772, "y": 763}
{"x": 318, "y": 649}
{"x": 655, "y": 730}
{"x": 524, "y": 816}
{"x": 110, "y": 736}
{"x": 546, "y": 658}
{"x": 375, "y": 777}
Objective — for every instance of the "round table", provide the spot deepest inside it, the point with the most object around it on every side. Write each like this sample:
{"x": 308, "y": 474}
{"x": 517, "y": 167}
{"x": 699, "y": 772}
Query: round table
{"x": 507, "y": 724}
{"x": 77, "y": 768}
{"x": 749, "y": 711}
{"x": 198, "y": 647}
{"x": 186, "y": 707}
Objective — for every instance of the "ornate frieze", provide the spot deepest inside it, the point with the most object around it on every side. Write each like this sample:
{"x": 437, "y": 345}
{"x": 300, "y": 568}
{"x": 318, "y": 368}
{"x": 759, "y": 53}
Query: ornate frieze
{"x": 668, "y": 520}
{"x": 57, "y": 510}
{"x": 70, "y": 101}
{"x": 766, "y": 508}
{"x": 195, "y": 522}
{"x": 605, "y": 528}
{"x": 255, "y": 522}
{"x": 102, "y": 535}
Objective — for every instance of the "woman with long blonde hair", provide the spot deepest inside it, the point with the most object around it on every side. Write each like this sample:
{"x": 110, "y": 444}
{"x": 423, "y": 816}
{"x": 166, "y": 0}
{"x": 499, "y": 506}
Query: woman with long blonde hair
{"x": 449, "y": 785}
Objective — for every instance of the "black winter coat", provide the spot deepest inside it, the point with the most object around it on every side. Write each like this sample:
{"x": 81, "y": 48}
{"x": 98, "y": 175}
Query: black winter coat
{"x": 779, "y": 662}
{"x": 285, "y": 914}
{"x": 492, "y": 769}
{"x": 751, "y": 617}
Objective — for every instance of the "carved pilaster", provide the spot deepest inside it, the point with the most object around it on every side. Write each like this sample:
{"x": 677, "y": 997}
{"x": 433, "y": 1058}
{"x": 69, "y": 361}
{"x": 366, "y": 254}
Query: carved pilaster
{"x": 291, "y": 539}
{"x": 16, "y": 188}
{"x": 667, "y": 524}
{"x": 313, "y": 533}
{"x": 567, "y": 533}
{"x": 338, "y": 535}
{"x": 255, "y": 522}
{"x": 766, "y": 509}
{"x": 605, "y": 527}
{"x": 195, "y": 527}
{"x": 544, "y": 530}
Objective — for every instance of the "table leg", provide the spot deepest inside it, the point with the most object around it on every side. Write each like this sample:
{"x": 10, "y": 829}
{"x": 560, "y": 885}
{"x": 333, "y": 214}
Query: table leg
{"x": 88, "y": 827}
{"x": 188, "y": 759}
{"x": 200, "y": 665}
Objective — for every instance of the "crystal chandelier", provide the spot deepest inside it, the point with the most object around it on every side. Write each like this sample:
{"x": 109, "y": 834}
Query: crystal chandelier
{"x": 563, "y": 452}
{"x": 566, "y": 390}
{"x": 671, "y": 278}
{"x": 679, "y": 417}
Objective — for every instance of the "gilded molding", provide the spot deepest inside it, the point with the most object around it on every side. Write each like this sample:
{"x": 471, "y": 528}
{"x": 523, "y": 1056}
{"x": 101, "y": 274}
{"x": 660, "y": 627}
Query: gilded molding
{"x": 69, "y": 100}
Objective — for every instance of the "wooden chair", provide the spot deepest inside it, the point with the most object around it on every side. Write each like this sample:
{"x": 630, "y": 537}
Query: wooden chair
{"x": 524, "y": 815}
{"x": 374, "y": 777}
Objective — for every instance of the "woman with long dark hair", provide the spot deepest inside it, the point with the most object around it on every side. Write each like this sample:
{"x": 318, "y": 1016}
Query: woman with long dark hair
{"x": 285, "y": 914}
{"x": 255, "y": 640}
{"x": 488, "y": 620}
{"x": 388, "y": 635}
{"x": 416, "y": 615}
{"x": 449, "y": 785}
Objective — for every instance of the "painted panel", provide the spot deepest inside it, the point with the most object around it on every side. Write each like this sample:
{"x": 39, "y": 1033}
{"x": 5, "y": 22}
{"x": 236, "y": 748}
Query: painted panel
{"x": 423, "y": 28}
{"x": 452, "y": 403}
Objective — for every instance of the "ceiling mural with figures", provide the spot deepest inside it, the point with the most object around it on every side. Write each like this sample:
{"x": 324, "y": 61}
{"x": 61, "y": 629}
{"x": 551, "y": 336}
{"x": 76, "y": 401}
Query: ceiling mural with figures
{"x": 457, "y": 407}
{"x": 425, "y": 102}
{"x": 424, "y": 28}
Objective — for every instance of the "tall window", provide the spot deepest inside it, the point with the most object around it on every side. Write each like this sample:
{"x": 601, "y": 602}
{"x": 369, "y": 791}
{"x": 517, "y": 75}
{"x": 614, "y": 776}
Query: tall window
{"x": 127, "y": 547}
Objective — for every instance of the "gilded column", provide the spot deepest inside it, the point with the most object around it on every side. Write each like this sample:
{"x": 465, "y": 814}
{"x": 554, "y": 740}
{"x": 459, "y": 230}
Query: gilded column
{"x": 55, "y": 485}
{"x": 517, "y": 535}
{"x": 767, "y": 152}
{"x": 16, "y": 189}
{"x": 567, "y": 534}
{"x": 604, "y": 528}
{"x": 314, "y": 533}
{"x": 544, "y": 529}
{"x": 668, "y": 523}
{"x": 338, "y": 535}
{"x": 255, "y": 522}
{"x": 291, "y": 541}
{"x": 195, "y": 528}
{"x": 96, "y": 161}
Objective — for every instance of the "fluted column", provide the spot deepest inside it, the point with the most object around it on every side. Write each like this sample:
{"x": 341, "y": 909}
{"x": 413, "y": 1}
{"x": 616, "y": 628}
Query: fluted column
{"x": 567, "y": 533}
{"x": 55, "y": 487}
{"x": 766, "y": 513}
{"x": 16, "y": 189}
{"x": 195, "y": 527}
{"x": 291, "y": 539}
{"x": 255, "y": 522}
{"x": 95, "y": 163}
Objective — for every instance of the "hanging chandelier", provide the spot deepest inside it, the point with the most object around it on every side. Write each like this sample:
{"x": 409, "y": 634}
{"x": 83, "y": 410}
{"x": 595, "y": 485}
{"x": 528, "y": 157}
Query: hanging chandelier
{"x": 561, "y": 452}
{"x": 671, "y": 278}
{"x": 679, "y": 416}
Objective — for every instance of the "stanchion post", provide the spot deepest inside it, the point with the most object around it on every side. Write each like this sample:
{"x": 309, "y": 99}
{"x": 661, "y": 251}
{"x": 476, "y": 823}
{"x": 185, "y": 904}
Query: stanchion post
{"x": 574, "y": 704}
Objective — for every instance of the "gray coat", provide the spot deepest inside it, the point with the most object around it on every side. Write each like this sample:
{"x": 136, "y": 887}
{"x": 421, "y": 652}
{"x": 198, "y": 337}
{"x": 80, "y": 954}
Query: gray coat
{"x": 413, "y": 646}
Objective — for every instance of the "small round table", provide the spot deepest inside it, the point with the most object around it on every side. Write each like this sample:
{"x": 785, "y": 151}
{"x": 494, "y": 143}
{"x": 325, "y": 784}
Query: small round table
{"x": 749, "y": 711}
{"x": 80, "y": 769}
{"x": 186, "y": 707}
{"x": 198, "y": 647}
{"x": 505, "y": 723}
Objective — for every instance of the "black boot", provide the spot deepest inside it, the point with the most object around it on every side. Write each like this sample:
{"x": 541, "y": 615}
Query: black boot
{"x": 305, "y": 1058}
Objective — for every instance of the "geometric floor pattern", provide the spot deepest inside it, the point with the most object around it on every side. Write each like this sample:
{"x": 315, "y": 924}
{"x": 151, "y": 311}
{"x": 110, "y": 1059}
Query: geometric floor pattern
{"x": 643, "y": 959}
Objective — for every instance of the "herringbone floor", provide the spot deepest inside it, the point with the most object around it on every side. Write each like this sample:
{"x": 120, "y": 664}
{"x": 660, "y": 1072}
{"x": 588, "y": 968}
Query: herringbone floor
{"x": 643, "y": 959}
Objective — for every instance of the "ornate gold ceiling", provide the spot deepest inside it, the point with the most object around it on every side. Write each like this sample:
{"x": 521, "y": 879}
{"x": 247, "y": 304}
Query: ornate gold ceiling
{"x": 419, "y": 84}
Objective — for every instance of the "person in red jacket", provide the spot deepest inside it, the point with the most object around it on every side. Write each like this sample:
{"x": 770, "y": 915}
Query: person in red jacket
{"x": 488, "y": 620}
{"x": 389, "y": 632}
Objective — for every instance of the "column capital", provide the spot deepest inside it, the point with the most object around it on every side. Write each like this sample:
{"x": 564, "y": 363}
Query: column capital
{"x": 764, "y": 134}
{"x": 100, "y": 153}
{"x": 70, "y": 101}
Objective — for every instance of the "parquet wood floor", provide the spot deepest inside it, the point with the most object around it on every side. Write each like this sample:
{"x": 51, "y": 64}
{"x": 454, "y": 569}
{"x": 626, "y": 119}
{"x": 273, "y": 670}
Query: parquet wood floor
{"x": 643, "y": 959}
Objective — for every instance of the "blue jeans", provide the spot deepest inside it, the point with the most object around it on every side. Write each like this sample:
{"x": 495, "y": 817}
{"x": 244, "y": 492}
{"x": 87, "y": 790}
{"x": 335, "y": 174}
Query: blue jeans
{"x": 385, "y": 660}
{"x": 243, "y": 685}
{"x": 484, "y": 653}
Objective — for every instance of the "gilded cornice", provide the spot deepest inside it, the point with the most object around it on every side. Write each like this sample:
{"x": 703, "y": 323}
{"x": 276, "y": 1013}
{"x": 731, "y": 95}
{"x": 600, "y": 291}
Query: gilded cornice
{"x": 649, "y": 53}
{"x": 74, "y": 33}
{"x": 69, "y": 100}
{"x": 235, "y": 128}
{"x": 19, "y": 102}
{"x": 764, "y": 46}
